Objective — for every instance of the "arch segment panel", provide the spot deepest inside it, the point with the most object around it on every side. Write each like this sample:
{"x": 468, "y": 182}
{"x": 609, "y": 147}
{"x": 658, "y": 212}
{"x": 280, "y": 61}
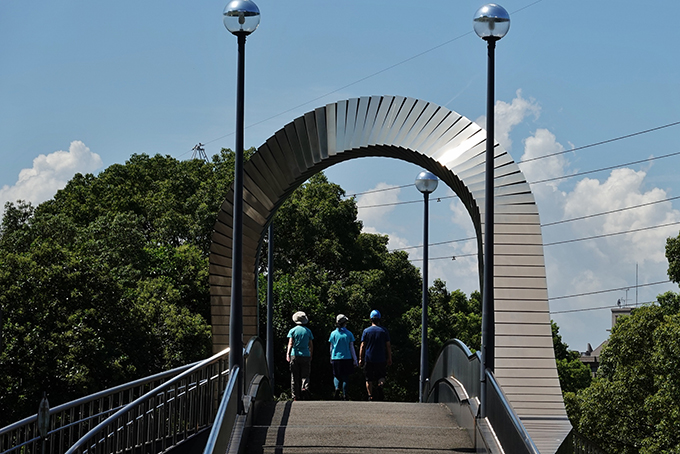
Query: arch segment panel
{"x": 453, "y": 148}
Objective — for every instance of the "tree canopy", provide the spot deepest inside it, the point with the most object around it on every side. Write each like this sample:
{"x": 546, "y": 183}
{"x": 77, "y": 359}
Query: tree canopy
{"x": 351, "y": 272}
{"x": 573, "y": 374}
{"x": 633, "y": 406}
{"x": 108, "y": 281}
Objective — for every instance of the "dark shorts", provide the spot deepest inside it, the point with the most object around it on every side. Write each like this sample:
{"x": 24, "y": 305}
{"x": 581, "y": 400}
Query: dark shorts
{"x": 342, "y": 367}
{"x": 375, "y": 371}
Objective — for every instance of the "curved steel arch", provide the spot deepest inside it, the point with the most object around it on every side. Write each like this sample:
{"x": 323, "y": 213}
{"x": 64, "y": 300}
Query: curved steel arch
{"x": 453, "y": 148}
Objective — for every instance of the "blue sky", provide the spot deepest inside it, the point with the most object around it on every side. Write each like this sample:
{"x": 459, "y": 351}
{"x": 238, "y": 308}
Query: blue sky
{"x": 84, "y": 85}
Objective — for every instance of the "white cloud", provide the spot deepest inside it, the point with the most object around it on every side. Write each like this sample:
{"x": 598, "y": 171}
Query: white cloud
{"x": 608, "y": 262}
{"x": 50, "y": 173}
{"x": 507, "y": 116}
{"x": 374, "y": 216}
{"x": 591, "y": 265}
{"x": 623, "y": 189}
{"x": 543, "y": 143}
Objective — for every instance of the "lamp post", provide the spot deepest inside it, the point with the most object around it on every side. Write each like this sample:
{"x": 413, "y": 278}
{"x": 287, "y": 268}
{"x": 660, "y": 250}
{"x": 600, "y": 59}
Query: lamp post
{"x": 270, "y": 303}
{"x": 426, "y": 182}
{"x": 491, "y": 23}
{"x": 241, "y": 17}
{"x": 44, "y": 420}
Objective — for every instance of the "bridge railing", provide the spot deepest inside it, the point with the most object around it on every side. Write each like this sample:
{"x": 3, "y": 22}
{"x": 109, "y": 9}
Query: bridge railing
{"x": 164, "y": 416}
{"x": 455, "y": 379}
{"x": 507, "y": 426}
{"x": 256, "y": 380}
{"x": 72, "y": 420}
{"x": 456, "y": 360}
{"x": 575, "y": 443}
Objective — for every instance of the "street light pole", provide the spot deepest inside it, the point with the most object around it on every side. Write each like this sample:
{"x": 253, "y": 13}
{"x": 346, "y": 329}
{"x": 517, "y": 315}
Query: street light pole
{"x": 426, "y": 182}
{"x": 270, "y": 303}
{"x": 491, "y": 23}
{"x": 241, "y": 18}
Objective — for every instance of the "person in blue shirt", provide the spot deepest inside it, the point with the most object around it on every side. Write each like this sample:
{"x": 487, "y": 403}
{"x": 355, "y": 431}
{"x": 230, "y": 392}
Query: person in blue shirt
{"x": 343, "y": 356}
{"x": 299, "y": 355}
{"x": 375, "y": 354}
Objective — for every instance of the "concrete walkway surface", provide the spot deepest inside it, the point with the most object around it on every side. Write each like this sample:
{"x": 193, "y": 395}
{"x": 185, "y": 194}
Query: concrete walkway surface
{"x": 356, "y": 428}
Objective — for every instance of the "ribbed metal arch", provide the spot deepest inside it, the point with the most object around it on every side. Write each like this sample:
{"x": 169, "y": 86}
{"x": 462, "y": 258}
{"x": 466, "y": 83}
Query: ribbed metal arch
{"x": 453, "y": 148}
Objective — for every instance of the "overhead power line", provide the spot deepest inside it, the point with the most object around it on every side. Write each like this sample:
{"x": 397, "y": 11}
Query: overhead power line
{"x": 563, "y": 177}
{"x": 574, "y": 240}
{"x": 420, "y": 54}
{"x": 549, "y": 224}
{"x": 597, "y": 292}
{"x": 603, "y": 142}
{"x": 579, "y": 174}
{"x": 586, "y": 309}
{"x": 605, "y": 235}
{"x": 391, "y": 188}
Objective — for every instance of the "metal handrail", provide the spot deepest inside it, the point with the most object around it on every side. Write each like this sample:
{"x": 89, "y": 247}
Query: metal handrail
{"x": 254, "y": 366}
{"x": 455, "y": 360}
{"x": 513, "y": 435}
{"x": 577, "y": 443}
{"x": 163, "y": 416}
{"x": 218, "y": 440}
{"x": 255, "y": 360}
{"x": 70, "y": 420}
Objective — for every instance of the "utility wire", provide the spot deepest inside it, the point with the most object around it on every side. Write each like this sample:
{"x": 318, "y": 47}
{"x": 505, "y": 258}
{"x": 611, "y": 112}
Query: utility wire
{"x": 597, "y": 292}
{"x": 627, "y": 136}
{"x": 653, "y": 158}
{"x": 413, "y": 57}
{"x": 610, "y": 234}
{"x": 586, "y": 309}
{"x": 391, "y": 188}
{"x": 563, "y": 177}
{"x": 559, "y": 222}
{"x": 574, "y": 240}
{"x": 548, "y": 224}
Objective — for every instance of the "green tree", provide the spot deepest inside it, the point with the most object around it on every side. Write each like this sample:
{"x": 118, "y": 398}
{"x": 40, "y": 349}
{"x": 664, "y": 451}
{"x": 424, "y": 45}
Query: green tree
{"x": 451, "y": 315}
{"x": 108, "y": 281}
{"x": 325, "y": 265}
{"x": 634, "y": 401}
{"x": 633, "y": 406}
{"x": 573, "y": 374}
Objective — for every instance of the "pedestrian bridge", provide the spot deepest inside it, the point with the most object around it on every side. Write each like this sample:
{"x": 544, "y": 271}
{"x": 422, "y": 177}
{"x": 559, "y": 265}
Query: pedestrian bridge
{"x": 193, "y": 409}
{"x": 196, "y": 405}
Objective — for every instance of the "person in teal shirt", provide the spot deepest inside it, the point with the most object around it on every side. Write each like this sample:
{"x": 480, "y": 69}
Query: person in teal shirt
{"x": 299, "y": 355}
{"x": 343, "y": 356}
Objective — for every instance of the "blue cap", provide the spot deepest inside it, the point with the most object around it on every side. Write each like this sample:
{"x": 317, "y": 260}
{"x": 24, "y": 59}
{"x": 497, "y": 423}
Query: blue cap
{"x": 375, "y": 314}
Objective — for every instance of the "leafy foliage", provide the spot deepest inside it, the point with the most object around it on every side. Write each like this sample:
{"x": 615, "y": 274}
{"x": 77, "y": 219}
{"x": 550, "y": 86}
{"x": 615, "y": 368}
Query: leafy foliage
{"x": 627, "y": 409}
{"x": 108, "y": 281}
{"x": 634, "y": 404}
{"x": 350, "y": 272}
{"x": 573, "y": 374}
{"x": 451, "y": 315}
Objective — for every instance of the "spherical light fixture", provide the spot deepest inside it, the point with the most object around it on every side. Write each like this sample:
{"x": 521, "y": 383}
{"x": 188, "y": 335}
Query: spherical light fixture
{"x": 426, "y": 182}
{"x": 241, "y": 17}
{"x": 491, "y": 22}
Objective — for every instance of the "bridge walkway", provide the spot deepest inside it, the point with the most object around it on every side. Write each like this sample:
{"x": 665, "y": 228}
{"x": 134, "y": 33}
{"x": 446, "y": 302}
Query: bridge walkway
{"x": 356, "y": 428}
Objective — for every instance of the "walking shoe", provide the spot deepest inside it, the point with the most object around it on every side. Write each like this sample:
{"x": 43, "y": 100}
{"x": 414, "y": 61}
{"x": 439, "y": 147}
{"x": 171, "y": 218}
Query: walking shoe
{"x": 337, "y": 394}
{"x": 379, "y": 393}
